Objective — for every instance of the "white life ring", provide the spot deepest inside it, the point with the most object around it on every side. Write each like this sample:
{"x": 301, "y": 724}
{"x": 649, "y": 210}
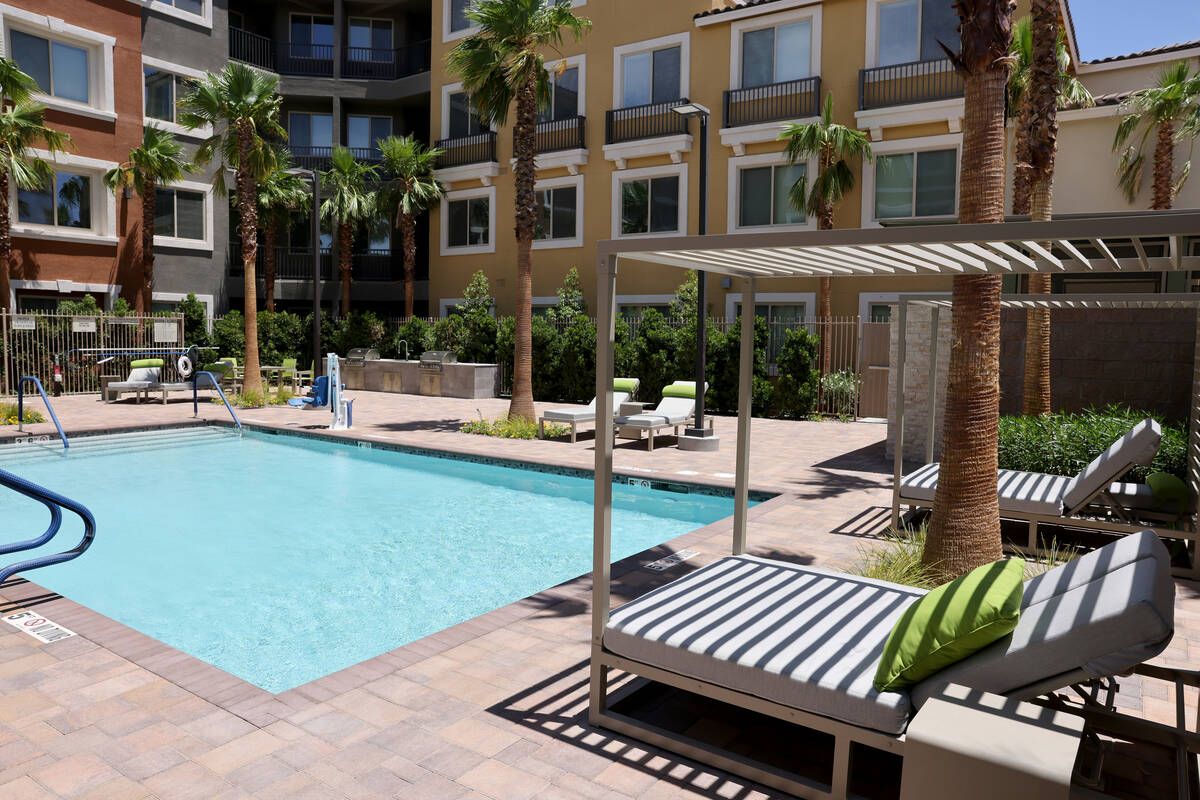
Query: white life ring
{"x": 184, "y": 364}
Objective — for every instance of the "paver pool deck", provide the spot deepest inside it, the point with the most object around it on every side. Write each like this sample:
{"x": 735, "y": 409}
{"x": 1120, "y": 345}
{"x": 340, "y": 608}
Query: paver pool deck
{"x": 494, "y": 707}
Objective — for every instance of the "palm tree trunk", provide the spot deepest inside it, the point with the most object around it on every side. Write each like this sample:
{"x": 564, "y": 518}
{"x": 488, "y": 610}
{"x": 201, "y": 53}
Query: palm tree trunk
{"x": 964, "y": 531}
{"x": 269, "y": 234}
{"x": 1036, "y": 390}
{"x": 345, "y": 242}
{"x": 248, "y": 228}
{"x": 824, "y": 299}
{"x": 1021, "y": 177}
{"x": 1164, "y": 165}
{"x": 5, "y": 245}
{"x": 408, "y": 237}
{"x": 145, "y": 298}
{"x": 525, "y": 146}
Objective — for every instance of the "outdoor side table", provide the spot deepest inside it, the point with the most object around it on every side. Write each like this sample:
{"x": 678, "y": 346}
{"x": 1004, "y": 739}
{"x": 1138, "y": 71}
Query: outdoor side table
{"x": 629, "y": 408}
{"x": 968, "y": 743}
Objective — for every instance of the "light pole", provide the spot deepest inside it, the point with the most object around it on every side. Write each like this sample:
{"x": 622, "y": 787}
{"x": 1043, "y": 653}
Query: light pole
{"x": 690, "y": 110}
{"x": 315, "y": 179}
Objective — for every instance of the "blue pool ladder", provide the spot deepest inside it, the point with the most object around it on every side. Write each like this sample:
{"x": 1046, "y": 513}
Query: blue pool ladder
{"x": 55, "y": 503}
{"x": 216, "y": 385}
{"x": 46, "y": 400}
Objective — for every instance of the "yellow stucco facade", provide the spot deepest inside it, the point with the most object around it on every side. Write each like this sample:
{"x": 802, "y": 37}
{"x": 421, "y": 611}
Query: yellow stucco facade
{"x": 843, "y": 41}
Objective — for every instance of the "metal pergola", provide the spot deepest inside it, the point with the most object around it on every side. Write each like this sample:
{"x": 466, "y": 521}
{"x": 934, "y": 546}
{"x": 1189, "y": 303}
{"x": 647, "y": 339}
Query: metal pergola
{"x": 1106, "y": 243}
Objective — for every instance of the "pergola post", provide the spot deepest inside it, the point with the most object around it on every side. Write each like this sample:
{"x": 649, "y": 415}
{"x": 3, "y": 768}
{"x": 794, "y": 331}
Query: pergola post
{"x": 898, "y": 439}
{"x": 741, "y": 491}
{"x": 606, "y": 296}
{"x": 933, "y": 348}
{"x": 1193, "y": 459}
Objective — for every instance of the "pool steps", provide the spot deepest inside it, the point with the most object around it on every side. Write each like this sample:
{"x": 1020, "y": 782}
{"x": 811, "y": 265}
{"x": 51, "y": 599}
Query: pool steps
{"x": 82, "y": 446}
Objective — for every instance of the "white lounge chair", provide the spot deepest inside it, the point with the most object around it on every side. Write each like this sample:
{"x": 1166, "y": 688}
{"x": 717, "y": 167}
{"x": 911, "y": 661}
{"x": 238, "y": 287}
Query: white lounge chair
{"x": 677, "y": 406}
{"x": 1095, "y": 498}
{"x": 623, "y": 389}
{"x": 803, "y": 644}
{"x": 143, "y": 377}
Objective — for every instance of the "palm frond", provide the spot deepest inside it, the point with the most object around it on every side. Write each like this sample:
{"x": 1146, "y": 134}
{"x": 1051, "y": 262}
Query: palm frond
{"x": 15, "y": 85}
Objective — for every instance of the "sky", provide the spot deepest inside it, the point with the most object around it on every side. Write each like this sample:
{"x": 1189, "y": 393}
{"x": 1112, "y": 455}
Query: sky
{"x": 1106, "y": 28}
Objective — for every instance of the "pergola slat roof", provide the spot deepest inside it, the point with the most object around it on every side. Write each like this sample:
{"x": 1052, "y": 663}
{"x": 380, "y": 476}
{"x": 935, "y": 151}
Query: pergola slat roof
{"x": 1128, "y": 243}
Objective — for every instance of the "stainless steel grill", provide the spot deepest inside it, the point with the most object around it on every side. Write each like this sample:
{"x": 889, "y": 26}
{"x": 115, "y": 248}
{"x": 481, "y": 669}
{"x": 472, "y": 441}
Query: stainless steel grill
{"x": 430, "y": 370}
{"x": 358, "y": 355}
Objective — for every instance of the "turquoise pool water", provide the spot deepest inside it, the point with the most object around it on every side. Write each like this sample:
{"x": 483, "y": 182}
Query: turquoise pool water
{"x": 281, "y": 559}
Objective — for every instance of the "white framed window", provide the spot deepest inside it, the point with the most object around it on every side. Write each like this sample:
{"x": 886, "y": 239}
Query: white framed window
{"x": 468, "y": 221}
{"x": 759, "y": 193}
{"x": 197, "y": 12}
{"x": 921, "y": 183}
{"x": 789, "y": 308}
{"x": 650, "y": 202}
{"x": 904, "y": 31}
{"x": 74, "y": 207}
{"x": 459, "y": 118}
{"x": 163, "y": 84}
{"x": 449, "y": 306}
{"x": 455, "y": 24}
{"x": 876, "y": 306}
{"x": 775, "y": 49}
{"x": 567, "y": 88}
{"x": 633, "y": 306}
{"x": 363, "y": 132}
{"x": 73, "y": 66}
{"x": 369, "y": 39}
{"x": 559, "y": 203}
{"x": 183, "y": 216}
{"x": 651, "y": 71}
{"x": 170, "y": 301}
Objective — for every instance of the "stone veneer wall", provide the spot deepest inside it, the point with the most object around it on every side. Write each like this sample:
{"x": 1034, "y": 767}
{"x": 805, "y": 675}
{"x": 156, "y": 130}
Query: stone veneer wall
{"x": 916, "y": 380}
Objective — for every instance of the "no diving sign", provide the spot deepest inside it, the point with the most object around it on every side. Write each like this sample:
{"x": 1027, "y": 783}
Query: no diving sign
{"x": 38, "y": 627}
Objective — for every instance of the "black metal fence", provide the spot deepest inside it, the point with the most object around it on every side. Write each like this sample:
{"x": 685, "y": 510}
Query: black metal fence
{"x": 302, "y": 58}
{"x": 775, "y": 101}
{"x": 251, "y": 48}
{"x": 311, "y": 156}
{"x": 293, "y": 264}
{"x": 560, "y": 134}
{"x": 643, "y": 122}
{"x": 915, "y": 82}
{"x": 385, "y": 64}
{"x": 467, "y": 149}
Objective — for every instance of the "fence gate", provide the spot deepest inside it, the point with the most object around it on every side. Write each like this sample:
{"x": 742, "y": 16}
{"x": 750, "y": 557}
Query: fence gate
{"x": 32, "y": 343}
{"x": 876, "y": 344}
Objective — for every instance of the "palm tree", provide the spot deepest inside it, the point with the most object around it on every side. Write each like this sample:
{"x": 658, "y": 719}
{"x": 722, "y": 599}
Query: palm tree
{"x": 158, "y": 161}
{"x": 830, "y": 144}
{"x": 964, "y": 531}
{"x": 22, "y": 127}
{"x": 501, "y": 63}
{"x": 411, "y": 191}
{"x": 349, "y": 204}
{"x": 1158, "y": 110}
{"x": 281, "y": 195}
{"x": 242, "y": 107}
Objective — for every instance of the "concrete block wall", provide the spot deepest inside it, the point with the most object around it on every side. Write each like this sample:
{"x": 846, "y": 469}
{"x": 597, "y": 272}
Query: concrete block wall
{"x": 917, "y": 377}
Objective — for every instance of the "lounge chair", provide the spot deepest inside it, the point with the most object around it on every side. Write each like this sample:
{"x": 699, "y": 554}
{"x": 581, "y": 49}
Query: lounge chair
{"x": 677, "y": 406}
{"x": 143, "y": 376}
{"x": 1095, "y": 498}
{"x": 803, "y": 644}
{"x": 623, "y": 389}
{"x": 319, "y": 397}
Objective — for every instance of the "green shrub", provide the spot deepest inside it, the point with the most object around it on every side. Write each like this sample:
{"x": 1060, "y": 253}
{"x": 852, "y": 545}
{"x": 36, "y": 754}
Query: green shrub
{"x": 1063, "y": 443}
{"x": 654, "y": 355}
{"x": 840, "y": 389}
{"x": 8, "y": 414}
{"x": 511, "y": 428}
{"x": 577, "y": 361}
{"x": 195, "y": 321}
{"x": 796, "y": 390}
{"x": 416, "y": 333}
{"x": 229, "y": 335}
{"x": 359, "y": 329}
{"x": 724, "y": 365}
{"x": 280, "y": 335}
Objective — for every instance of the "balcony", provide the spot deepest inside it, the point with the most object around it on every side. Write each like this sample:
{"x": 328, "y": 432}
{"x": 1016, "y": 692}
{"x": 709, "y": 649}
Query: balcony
{"x": 385, "y": 65}
{"x": 302, "y": 58}
{"x": 901, "y": 84}
{"x": 296, "y": 265}
{"x": 311, "y": 157}
{"x": 644, "y": 122}
{"x": 251, "y": 48}
{"x": 774, "y": 102}
{"x": 477, "y": 149}
{"x": 560, "y": 134}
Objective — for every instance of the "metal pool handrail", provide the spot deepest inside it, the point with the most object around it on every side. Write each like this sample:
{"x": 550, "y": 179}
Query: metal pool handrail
{"x": 55, "y": 503}
{"x": 196, "y": 397}
{"x": 46, "y": 400}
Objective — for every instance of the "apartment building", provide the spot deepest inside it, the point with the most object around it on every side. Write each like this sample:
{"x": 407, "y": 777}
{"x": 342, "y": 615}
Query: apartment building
{"x": 615, "y": 161}
{"x": 75, "y": 237}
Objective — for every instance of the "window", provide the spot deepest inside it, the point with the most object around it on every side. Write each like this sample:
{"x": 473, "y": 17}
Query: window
{"x": 468, "y": 222}
{"x": 66, "y": 204}
{"x": 909, "y": 30}
{"x": 179, "y": 214}
{"x": 60, "y": 70}
{"x": 300, "y": 234}
{"x": 310, "y": 134}
{"x": 556, "y": 217}
{"x": 764, "y": 195}
{"x": 190, "y": 6}
{"x": 237, "y": 20}
{"x": 651, "y": 76}
{"x": 362, "y": 133}
{"x": 776, "y": 54}
{"x": 370, "y": 40}
{"x": 916, "y": 184}
{"x": 458, "y": 15}
{"x": 163, "y": 91}
{"x": 790, "y": 314}
{"x": 463, "y": 119}
{"x": 650, "y": 205}
{"x": 312, "y": 36}
{"x": 564, "y": 95}
{"x": 879, "y": 312}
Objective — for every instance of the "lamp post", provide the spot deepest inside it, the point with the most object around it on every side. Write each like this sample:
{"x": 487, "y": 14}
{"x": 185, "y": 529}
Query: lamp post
{"x": 315, "y": 179}
{"x": 690, "y": 110}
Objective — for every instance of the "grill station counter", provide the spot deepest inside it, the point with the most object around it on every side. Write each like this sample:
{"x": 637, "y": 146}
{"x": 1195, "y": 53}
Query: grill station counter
{"x": 438, "y": 373}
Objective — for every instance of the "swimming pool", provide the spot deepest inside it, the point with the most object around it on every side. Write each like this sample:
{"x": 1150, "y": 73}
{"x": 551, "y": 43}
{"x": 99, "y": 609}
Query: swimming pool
{"x": 281, "y": 559}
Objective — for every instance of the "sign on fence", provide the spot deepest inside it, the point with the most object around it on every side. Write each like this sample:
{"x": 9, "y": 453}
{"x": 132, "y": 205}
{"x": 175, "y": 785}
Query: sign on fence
{"x": 24, "y": 322}
{"x": 83, "y": 325}
{"x": 166, "y": 332}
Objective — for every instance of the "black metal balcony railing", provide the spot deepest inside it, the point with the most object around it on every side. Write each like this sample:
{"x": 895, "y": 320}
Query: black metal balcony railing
{"x": 380, "y": 64}
{"x": 467, "y": 150}
{"x": 296, "y": 265}
{"x": 302, "y": 58}
{"x": 560, "y": 134}
{"x": 251, "y": 48}
{"x": 377, "y": 265}
{"x": 915, "y": 82}
{"x": 311, "y": 157}
{"x": 644, "y": 122}
{"x": 775, "y": 101}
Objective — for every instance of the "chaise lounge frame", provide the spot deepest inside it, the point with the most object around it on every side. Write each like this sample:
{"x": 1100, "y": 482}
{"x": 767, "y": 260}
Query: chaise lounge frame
{"x": 1000, "y": 248}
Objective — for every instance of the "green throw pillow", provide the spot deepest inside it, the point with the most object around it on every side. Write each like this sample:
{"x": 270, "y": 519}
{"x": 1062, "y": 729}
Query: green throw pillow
{"x": 680, "y": 390}
{"x": 145, "y": 362}
{"x": 629, "y": 385}
{"x": 1170, "y": 493}
{"x": 951, "y": 622}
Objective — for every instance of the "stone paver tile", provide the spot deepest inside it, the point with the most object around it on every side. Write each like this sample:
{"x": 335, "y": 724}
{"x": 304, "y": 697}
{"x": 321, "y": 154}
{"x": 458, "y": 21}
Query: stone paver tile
{"x": 386, "y": 783}
{"x": 119, "y": 788}
{"x": 18, "y": 752}
{"x": 370, "y": 708}
{"x": 499, "y": 780}
{"x": 26, "y": 788}
{"x": 74, "y": 775}
{"x": 260, "y": 774}
{"x": 338, "y": 728}
{"x": 626, "y": 779}
{"x": 150, "y": 763}
{"x": 452, "y": 761}
{"x": 480, "y": 736}
{"x": 187, "y": 781}
{"x": 240, "y": 752}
